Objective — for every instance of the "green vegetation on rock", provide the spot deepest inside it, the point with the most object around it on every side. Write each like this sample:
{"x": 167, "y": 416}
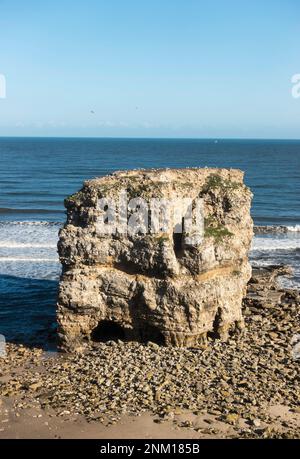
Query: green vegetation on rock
{"x": 213, "y": 228}
{"x": 215, "y": 181}
{"x": 74, "y": 198}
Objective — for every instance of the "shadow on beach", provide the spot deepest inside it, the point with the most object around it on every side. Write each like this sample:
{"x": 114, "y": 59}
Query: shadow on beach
{"x": 27, "y": 312}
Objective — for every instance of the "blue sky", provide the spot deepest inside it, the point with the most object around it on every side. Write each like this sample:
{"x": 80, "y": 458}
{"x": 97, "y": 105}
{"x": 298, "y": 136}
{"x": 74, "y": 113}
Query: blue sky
{"x": 165, "y": 68}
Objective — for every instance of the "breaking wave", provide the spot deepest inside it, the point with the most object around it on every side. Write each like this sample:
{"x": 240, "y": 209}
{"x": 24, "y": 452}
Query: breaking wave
{"x": 273, "y": 244}
{"x": 276, "y": 229}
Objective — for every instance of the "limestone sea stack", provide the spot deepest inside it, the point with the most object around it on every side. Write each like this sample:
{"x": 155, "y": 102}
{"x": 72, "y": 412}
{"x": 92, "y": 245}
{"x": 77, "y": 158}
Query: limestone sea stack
{"x": 155, "y": 255}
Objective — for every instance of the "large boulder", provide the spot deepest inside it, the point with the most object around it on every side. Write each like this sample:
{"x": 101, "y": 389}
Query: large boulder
{"x": 156, "y": 277}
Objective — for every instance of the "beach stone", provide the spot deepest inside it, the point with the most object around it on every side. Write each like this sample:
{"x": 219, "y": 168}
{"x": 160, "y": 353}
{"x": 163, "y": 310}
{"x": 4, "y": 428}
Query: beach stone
{"x": 232, "y": 418}
{"x": 35, "y": 386}
{"x": 160, "y": 286}
{"x": 256, "y": 422}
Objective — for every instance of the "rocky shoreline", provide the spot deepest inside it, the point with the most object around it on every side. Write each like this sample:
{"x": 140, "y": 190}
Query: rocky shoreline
{"x": 247, "y": 387}
{"x": 272, "y": 229}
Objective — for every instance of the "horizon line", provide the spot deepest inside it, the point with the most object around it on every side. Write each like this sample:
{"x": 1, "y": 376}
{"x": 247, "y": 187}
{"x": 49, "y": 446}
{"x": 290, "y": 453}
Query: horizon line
{"x": 149, "y": 138}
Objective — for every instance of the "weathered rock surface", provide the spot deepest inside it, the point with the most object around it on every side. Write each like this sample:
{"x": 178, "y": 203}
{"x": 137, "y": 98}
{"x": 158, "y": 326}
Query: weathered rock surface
{"x": 164, "y": 287}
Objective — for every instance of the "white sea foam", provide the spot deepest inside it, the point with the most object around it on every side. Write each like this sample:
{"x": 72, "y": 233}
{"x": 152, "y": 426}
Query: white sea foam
{"x": 278, "y": 249}
{"x": 29, "y": 235}
{"x": 27, "y": 223}
{"x": 3, "y": 259}
{"x": 17, "y": 245}
{"x": 275, "y": 243}
{"x": 295, "y": 228}
{"x": 29, "y": 249}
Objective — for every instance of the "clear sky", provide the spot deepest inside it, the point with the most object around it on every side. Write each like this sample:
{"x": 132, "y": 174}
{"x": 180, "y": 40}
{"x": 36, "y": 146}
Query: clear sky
{"x": 137, "y": 68}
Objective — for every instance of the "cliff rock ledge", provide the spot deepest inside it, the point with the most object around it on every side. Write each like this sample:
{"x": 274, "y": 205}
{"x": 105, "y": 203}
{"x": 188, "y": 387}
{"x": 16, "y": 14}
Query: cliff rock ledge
{"x": 159, "y": 284}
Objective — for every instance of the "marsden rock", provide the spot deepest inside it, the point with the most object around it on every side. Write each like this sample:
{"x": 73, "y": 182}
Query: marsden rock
{"x": 159, "y": 284}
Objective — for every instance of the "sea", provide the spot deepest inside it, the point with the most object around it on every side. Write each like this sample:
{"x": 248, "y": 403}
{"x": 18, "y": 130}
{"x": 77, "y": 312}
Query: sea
{"x": 36, "y": 174}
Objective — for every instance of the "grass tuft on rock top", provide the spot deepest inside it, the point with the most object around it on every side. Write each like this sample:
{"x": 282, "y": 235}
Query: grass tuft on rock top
{"x": 215, "y": 181}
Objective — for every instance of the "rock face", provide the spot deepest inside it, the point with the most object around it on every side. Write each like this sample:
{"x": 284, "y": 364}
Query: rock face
{"x": 159, "y": 283}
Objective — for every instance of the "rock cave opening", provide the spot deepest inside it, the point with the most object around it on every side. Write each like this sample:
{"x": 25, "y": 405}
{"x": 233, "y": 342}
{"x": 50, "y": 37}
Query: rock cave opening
{"x": 153, "y": 334}
{"x": 108, "y": 330}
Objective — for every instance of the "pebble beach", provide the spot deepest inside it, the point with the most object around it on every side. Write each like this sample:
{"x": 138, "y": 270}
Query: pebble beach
{"x": 247, "y": 387}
